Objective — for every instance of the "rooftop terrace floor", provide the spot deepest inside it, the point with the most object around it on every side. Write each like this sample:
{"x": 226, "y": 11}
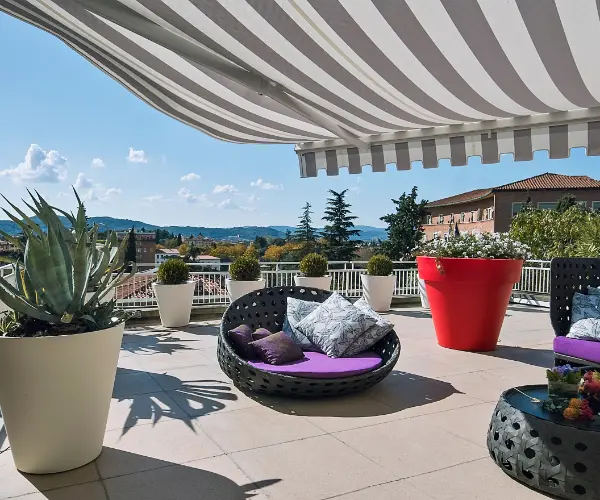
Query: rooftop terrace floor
{"x": 179, "y": 430}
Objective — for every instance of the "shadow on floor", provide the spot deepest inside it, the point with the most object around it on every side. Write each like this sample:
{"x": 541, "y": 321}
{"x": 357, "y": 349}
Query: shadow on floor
{"x": 160, "y": 343}
{"x": 399, "y": 391}
{"x": 544, "y": 358}
{"x": 523, "y": 308}
{"x": 201, "y": 330}
{"x": 3, "y": 442}
{"x": 184, "y": 401}
{"x": 161, "y": 480}
{"x": 410, "y": 313}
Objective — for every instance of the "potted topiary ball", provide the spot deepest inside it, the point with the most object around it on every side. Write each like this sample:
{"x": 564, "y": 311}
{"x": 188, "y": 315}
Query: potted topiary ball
{"x": 244, "y": 278}
{"x": 59, "y": 347}
{"x": 313, "y": 269}
{"x": 379, "y": 282}
{"x": 174, "y": 293}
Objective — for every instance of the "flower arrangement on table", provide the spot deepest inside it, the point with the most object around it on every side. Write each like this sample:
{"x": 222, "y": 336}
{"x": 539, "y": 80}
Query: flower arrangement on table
{"x": 563, "y": 381}
{"x": 573, "y": 392}
{"x": 589, "y": 389}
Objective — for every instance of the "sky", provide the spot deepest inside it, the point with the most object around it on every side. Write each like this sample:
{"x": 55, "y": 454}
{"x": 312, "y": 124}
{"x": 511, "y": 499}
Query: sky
{"x": 65, "y": 123}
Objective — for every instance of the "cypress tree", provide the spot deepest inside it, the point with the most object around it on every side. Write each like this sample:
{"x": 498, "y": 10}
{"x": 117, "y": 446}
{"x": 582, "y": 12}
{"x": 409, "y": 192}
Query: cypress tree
{"x": 340, "y": 228}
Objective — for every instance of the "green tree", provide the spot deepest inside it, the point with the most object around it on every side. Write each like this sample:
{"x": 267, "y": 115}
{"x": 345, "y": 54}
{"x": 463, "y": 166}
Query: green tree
{"x": 405, "y": 230}
{"x": 305, "y": 230}
{"x": 288, "y": 235}
{"x": 339, "y": 228}
{"x": 179, "y": 240}
{"x": 565, "y": 202}
{"x": 130, "y": 250}
{"x": 260, "y": 242}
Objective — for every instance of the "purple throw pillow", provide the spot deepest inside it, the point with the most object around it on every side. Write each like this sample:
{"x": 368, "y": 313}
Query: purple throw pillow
{"x": 260, "y": 333}
{"x": 240, "y": 337}
{"x": 277, "y": 349}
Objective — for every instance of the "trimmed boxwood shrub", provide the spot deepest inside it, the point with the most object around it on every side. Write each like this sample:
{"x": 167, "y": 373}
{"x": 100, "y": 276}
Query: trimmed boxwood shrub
{"x": 313, "y": 266}
{"x": 173, "y": 272}
{"x": 245, "y": 268}
{"x": 380, "y": 265}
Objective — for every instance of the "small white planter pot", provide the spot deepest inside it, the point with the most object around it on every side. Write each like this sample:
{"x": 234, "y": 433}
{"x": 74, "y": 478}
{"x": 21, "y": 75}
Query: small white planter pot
{"x": 174, "y": 303}
{"x": 55, "y": 395}
{"x": 237, "y": 289}
{"x": 321, "y": 282}
{"x": 423, "y": 294}
{"x": 107, "y": 298}
{"x": 378, "y": 291}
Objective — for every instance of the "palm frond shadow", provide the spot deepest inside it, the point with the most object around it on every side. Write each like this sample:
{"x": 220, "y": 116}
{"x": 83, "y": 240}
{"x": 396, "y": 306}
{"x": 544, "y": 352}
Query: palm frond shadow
{"x": 160, "y": 343}
{"x": 180, "y": 400}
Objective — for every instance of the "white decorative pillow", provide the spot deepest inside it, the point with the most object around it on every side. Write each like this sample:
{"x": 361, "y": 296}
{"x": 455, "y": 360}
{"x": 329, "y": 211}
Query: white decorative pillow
{"x": 296, "y": 311}
{"x": 374, "y": 334}
{"x": 593, "y": 290}
{"x": 584, "y": 306}
{"x": 585, "y": 329}
{"x": 335, "y": 325}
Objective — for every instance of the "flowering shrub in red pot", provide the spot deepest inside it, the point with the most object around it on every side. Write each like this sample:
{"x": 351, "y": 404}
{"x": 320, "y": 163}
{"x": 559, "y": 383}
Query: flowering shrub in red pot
{"x": 469, "y": 280}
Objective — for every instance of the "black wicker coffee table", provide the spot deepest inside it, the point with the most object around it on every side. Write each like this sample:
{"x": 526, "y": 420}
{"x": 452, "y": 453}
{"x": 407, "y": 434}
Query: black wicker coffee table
{"x": 543, "y": 450}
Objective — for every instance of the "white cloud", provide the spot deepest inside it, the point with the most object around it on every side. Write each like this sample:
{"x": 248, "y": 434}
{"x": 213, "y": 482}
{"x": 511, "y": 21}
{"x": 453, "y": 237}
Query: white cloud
{"x": 98, "y": 163}
{"x": 38, "y": 166}
{"x": 228, "y": 204}
{"x": 137, "y": 156}
{"x": 190, "y": 177}
{"x": 225, "y": 188}
{"x": 98, "y": 193}
{"x": 153, "y": 198}
{"x": 83, "y": 182}
{"x": 252, "y": 198}
{"x": 260, "y": 183}
{"x": 186, "y": 195}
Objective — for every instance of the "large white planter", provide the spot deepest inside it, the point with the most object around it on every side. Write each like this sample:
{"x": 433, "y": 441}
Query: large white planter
{"x": 237, "y": 289}
{"x": 423, "y": 294}
{"x": 321, "y": 282}
{"x": 378, "y": 291}
{"x": 55, "y": 395}
{"x": 107, "y": 298}
{"x": 174, "y": 303}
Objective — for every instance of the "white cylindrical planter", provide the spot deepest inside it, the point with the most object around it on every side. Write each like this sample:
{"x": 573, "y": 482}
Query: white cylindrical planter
{"x": 423, "y": 294}
{"x": 378, "y": 291}
{"x": 237, "y": 289}
{"x": 107, "y": 298}
{"x": 174, "y": 303}
{"x": 321, "y": 282}
{"x": 55, "y": 395}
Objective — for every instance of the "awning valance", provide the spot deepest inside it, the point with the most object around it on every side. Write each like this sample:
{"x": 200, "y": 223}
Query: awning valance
{"x": 354, "y": 82}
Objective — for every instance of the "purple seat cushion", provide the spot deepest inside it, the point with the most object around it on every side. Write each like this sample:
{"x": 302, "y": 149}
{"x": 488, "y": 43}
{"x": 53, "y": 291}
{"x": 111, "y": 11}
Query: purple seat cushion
{"x": 319, "y": 365}
{"x": 583, "y": 349}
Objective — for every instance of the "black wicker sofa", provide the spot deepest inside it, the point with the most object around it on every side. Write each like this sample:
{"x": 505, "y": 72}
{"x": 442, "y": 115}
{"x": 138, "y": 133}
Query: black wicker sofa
{"x": 266, "y": 308}
{"x": 570, "y": 275}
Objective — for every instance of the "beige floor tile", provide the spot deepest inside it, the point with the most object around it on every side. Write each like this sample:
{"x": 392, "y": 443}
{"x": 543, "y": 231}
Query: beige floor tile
{"x": 410, "y": 447}
{"x": 131, "y": 382}
{"x": 478, "y": 480}
{"x": 432, "y": 366}
{"x": 311, "y": 469}
{"x": 397, "y": 490}
{"x": 212, "y": 479}
{"x": 158, "y": 362}
{"x": 411, "y": 347}
{"x": 179, "y": 378}
{"x": 470, "y": 423}
{"x": 89, "y": 491}
{"x": 148, "y": 447}
{"x": 141, "y": 409}
{"x": 254, "y": 427}
{"x": 14, "y": 483}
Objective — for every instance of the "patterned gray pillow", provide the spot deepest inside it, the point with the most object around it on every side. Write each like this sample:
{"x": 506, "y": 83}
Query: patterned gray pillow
{"x": 335, "y": 325}
{"x": 374, "y": 334}
{"x": 585, "y": 329}
{"x": 593, "y": 290}
{"x": 584, "y": 306}
{"x": 296, "y": 311}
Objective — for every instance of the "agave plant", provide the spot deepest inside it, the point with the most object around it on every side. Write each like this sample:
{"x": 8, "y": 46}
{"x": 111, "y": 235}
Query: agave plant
{"x": 64, "y": 275}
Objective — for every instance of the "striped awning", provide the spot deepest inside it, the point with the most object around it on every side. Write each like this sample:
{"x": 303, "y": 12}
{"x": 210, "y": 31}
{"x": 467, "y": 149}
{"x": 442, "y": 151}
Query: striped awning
{"x": 353, "y": 82}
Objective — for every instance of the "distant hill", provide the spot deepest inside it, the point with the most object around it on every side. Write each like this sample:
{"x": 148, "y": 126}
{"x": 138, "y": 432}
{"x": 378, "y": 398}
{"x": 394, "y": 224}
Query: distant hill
{"x": 220, "y": 233}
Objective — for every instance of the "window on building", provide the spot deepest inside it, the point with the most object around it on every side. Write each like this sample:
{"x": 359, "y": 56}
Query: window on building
{"x": 428, "y": 219}
{"x": 440, "y": 219}
{"x": 517, "y": 207}
{"x": 582, "y": 204}
{"x": 596, "y": 206}
{"x": 462, "y": 216}
{"x": 547, "y": 205}
{"x": 477, "y": 215}
{"x": 451, "y": 218}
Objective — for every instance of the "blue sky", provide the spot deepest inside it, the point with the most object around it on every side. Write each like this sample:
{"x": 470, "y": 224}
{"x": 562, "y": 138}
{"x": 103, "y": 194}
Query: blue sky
{"x": 130, "y": 161}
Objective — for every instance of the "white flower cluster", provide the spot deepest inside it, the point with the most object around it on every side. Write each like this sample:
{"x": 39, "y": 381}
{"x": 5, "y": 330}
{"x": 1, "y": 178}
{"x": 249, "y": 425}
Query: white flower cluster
{"x": 483, "y": 246}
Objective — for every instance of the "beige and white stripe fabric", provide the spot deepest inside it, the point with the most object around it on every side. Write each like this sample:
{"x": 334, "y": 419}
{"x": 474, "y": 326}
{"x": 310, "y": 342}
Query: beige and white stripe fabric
{"x": 353, "y": 82}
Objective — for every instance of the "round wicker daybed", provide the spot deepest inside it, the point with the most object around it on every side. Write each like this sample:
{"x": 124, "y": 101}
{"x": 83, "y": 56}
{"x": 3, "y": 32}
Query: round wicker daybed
{"x": 266, "y": 308}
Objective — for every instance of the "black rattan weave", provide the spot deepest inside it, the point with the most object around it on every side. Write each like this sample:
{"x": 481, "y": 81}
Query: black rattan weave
{"x": 266, "y": 308}
{"x": 567, "y": 276}
{"x": 556, "y": 458}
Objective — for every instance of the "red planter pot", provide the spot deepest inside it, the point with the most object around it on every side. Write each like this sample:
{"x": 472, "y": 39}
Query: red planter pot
{"x": 468, "y": 299}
